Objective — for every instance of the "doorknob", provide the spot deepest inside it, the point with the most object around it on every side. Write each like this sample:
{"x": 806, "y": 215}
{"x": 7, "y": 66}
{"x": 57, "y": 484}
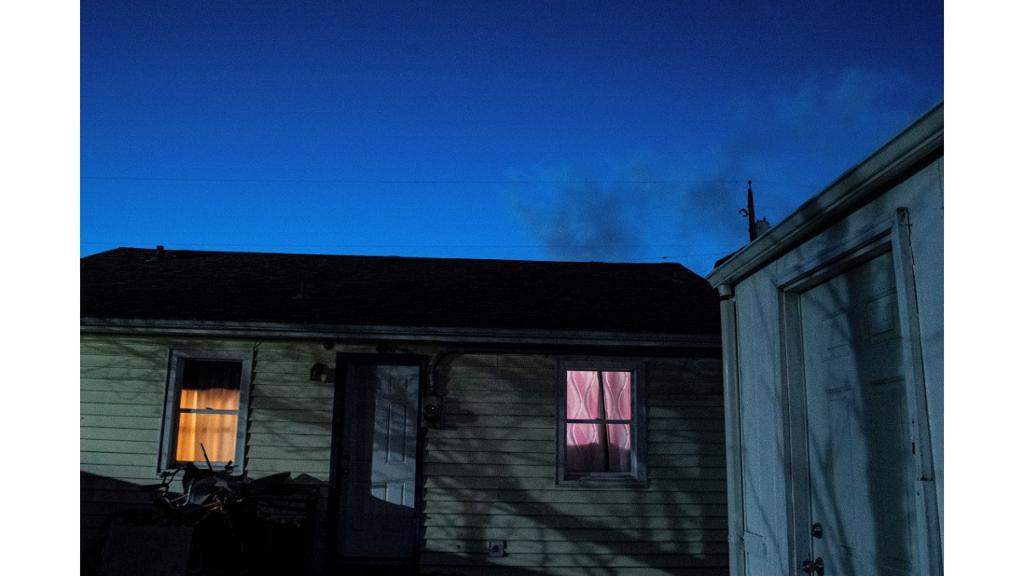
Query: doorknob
{"x": 345, "y": 460}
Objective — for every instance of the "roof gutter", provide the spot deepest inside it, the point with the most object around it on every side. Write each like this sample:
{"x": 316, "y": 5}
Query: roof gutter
{"x": 135, "y": 326}
{"x": 919, "y": 143}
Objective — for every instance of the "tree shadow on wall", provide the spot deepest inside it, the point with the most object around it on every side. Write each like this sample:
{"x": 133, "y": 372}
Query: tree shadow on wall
{"x": 865, "y": 504}
{"x": 551, "y": 528}
{"x": 553, "y": 533}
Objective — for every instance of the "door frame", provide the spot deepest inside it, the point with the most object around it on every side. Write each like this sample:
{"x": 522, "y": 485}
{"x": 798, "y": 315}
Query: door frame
{"x": 829, "y": 260}
{"x": 336, "y": 496}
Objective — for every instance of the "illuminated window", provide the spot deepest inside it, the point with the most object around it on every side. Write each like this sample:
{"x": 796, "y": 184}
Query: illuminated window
{"x": 600, "y": 422}
{"x": 206, "y": 408}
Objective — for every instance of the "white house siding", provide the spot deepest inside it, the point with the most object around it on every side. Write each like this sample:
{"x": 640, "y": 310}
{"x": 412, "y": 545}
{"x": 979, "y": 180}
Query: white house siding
{"x": 761, "y": 430}
{"x": 761, "y": 402}
{"x": 490, "y": 475}
{"x": 123, "y": 381}
{"x": 927, "y": 242}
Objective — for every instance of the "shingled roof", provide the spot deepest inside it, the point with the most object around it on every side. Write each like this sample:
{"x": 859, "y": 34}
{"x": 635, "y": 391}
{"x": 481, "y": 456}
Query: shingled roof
{"x": 140, "y": 284}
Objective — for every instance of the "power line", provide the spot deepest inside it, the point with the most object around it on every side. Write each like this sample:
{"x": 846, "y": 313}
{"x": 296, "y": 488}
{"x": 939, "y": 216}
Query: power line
{"x": 387, "y": 182}
{"x": 501, "y": 246}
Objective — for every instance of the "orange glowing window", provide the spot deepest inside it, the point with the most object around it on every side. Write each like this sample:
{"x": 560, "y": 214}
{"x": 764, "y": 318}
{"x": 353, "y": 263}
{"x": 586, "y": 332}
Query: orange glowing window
{"x": 208, "y": 408}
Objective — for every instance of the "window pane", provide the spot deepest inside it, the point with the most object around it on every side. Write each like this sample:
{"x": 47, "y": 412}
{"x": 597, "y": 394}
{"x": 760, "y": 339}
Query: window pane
{"x": 598, "y": 448}
{"x": 216, "y": 432}
{"x": 618, "y": 395}
{"x": 206, "y": 374}
{"x": 620, "y": 448}
{"x": 585, "y": 448}
{"x": 211, "y": 398}
{"x": 582, "y": 400}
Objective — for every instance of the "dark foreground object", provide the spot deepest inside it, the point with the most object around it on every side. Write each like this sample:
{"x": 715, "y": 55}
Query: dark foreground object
{"x": 219, "y": 527}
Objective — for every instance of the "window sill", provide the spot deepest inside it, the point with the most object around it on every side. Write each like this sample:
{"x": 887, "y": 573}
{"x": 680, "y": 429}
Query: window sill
{"x": 218, "y": 468}
{"x": 598, "y": 481}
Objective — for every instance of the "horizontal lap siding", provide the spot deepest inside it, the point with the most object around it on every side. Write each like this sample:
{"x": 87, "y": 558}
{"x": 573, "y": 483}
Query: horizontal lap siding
{"x": 489, "y": 475}
{"x": 123, "y": 382}
{"x": 122, "y": 387}
{"x": 120, "y": 415}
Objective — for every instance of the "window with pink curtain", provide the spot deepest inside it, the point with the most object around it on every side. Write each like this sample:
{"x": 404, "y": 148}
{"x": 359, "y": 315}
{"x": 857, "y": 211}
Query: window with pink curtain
{"x": 208, "y": 411}
{"x": 598, "y": 422}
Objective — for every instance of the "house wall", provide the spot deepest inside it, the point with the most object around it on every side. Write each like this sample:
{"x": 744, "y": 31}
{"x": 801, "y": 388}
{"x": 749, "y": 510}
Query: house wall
{"x": 123, "y": 381}
{"x": 489, "y": 472}
{"x": 762, "y": 401}
{"x": 491, "y": 476}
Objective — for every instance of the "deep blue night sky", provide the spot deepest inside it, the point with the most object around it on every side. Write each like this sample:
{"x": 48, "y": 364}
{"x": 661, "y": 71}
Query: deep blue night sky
{"x": 584, "y": 131}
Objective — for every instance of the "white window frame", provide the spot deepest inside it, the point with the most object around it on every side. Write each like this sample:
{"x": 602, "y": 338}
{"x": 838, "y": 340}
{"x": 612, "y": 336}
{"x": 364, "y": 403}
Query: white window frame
{"x": 637, "y": 476}
{"x": 172, "y": 401}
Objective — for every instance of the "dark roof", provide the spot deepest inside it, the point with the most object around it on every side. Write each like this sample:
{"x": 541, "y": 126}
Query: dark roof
{"x": 131, "y": 283}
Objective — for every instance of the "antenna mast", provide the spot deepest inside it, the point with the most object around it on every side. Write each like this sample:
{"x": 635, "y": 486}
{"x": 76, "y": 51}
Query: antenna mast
{"x": 751, "y": 218}
{"x": 754, "y": 227}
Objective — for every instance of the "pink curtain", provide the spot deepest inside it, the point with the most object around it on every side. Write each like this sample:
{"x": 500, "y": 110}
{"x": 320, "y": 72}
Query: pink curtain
{"x": 618, "y": 401}
{"x": 618, "y": 395}
{"x": 598, "y": 447}
{"x": 583, "y": 448}
{"x": 581, "y": 396}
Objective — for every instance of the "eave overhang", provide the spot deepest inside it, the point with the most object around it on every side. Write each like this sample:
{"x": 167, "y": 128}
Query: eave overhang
{"x": 918, "y": 144}
{"x": 440, "y": 335}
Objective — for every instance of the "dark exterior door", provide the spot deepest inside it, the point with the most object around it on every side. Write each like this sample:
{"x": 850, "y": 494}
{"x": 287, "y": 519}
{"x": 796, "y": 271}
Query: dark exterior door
{"x": 376, "y": 461}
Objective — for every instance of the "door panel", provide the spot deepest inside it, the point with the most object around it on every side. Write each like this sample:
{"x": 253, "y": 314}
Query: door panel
{"x": 379, "y": 460}
{"x": 859, "y": 441}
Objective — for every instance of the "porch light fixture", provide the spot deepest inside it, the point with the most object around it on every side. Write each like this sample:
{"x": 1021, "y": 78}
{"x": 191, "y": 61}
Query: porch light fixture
{"x": 318, "y": 372}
